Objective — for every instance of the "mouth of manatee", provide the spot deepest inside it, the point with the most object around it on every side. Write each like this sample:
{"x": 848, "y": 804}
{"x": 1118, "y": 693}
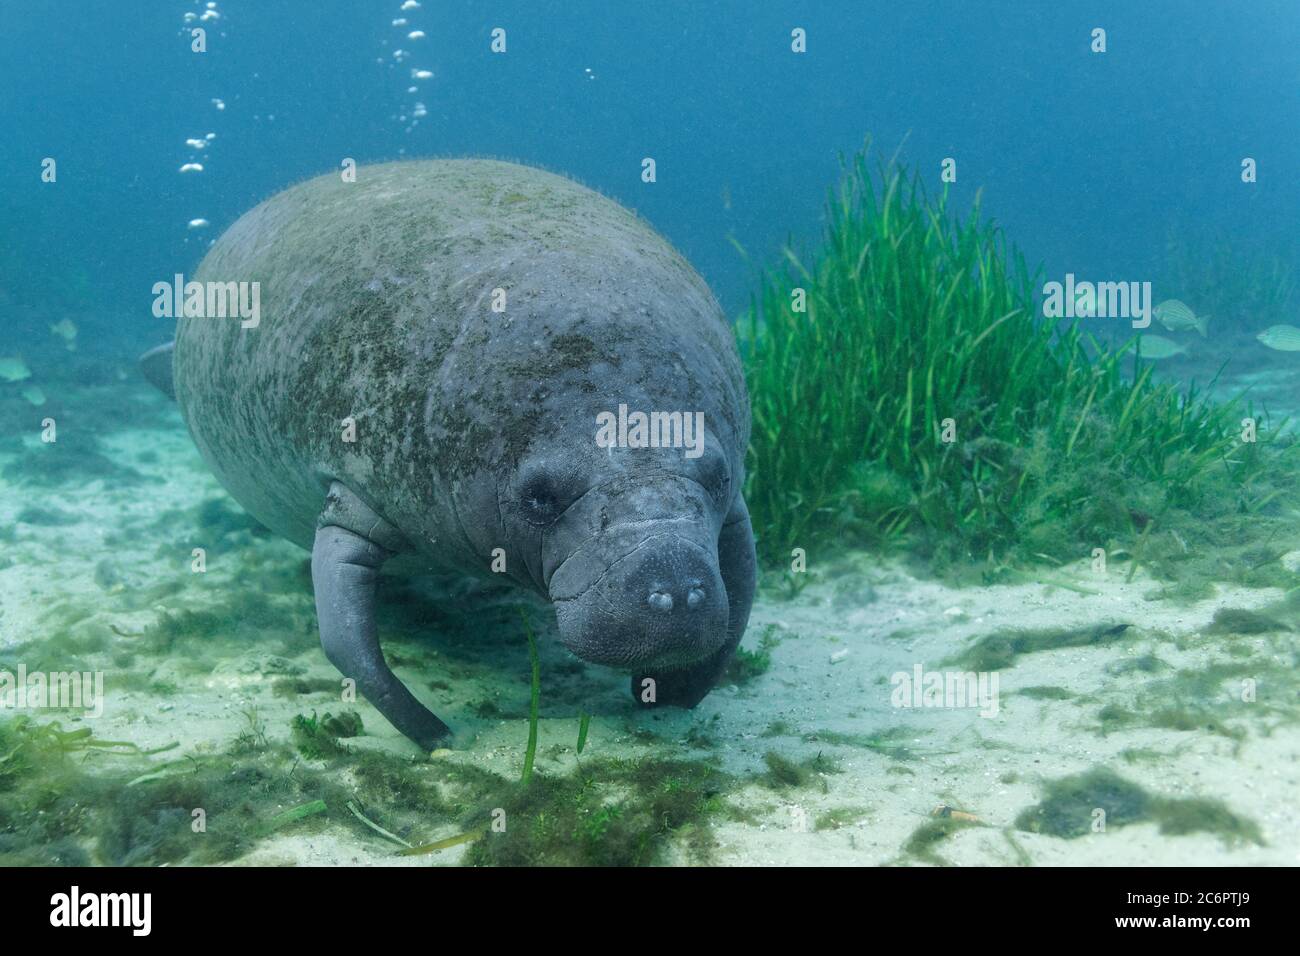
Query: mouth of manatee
{"x": 659, "y": 604}
{"x": 437, "y": 344}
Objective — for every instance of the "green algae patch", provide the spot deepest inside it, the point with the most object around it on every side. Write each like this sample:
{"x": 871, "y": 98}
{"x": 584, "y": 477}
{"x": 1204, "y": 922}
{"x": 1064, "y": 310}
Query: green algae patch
{"x": 1114, "y": 717}
{"x": 1185, "y": 592}
{"x": 1198, "y": 815}
{"x": 318, "y": 738}
{"x": 783, "y": 773}
{"x": 1192, "y": 718}
{"x": 1100, "y": 799}
{"x": 925, "y": 840}
{"x": 1071, "y": 805}
{"x": 68, "y": 798}
{"x": 609, "y": 813}
{"x": 840, "y": 817}
{"x": 1233, "y": 620}
{"x": 1046, "y": 692}
{"x": 747, "y": 665}
{"x": 1000, "y": 650}
{"x": 885, "y": 742}
{"x": 1228, "y": 698}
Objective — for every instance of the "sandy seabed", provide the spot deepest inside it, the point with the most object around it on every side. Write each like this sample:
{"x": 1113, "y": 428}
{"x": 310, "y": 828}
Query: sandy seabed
{"x": 103, "y": 558}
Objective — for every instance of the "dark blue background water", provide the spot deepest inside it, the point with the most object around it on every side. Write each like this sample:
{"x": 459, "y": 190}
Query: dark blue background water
{"x": 1086, "y": 159}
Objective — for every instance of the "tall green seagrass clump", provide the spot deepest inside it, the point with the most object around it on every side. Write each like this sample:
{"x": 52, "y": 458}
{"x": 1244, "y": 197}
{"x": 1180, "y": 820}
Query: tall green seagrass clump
{"x": 906, "y": 388}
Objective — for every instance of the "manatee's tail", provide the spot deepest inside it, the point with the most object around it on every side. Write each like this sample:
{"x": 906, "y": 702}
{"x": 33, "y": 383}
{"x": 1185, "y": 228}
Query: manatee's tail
{"x": 156, "y": 364}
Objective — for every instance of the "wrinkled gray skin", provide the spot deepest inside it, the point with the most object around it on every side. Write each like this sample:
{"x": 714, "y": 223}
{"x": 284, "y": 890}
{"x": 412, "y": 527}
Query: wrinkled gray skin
{"x": 476, "y": 430}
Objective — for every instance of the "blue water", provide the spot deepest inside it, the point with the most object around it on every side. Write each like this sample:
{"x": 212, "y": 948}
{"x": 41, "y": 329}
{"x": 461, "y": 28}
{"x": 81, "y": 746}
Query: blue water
{"x": 1087, "y": 159}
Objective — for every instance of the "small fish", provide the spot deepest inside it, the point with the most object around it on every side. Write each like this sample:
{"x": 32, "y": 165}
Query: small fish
{"x": 1284, "y": 338}
{"x": 1158, "y": 347}
{"x": 66, "y": 329}
{"x": 14, "y": 369}
{"x": 1178, "y": 317}
{"x": 33, "y": 394}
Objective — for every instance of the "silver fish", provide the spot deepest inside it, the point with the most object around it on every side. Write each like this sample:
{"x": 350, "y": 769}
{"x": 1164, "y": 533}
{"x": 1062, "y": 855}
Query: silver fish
{"x": 1178, "y": 317}
{"x": 14, "y": 369}
{"x": 1158, "y": 347}
{"x": 1284, "y": 338}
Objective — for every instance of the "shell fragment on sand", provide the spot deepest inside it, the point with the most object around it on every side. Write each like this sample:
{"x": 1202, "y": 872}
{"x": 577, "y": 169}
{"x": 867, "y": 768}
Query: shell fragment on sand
{"x": 1283, "y": 338}
{"x": 946, "y": 812}
{"x": 1177, "y": 316}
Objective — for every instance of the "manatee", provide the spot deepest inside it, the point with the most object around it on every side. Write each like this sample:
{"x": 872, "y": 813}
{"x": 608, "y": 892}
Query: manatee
{"x": 484, "y": 368}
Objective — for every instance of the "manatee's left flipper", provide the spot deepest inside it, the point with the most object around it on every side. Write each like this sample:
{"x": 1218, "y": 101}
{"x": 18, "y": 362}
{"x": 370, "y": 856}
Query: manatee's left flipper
{"x": 156, "y": 364}
{"x": 352, "y": 542}
{"x": 739, "y": 568}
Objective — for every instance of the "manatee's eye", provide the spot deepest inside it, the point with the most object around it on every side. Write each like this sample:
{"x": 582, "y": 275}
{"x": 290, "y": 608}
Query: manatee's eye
{"x": 540, "y": 499}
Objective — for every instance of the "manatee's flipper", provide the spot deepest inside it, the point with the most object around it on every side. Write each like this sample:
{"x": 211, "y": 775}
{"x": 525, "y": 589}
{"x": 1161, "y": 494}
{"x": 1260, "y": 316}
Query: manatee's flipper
{"x": 352, "y": 542}
{"x": 156, "y": 364}
{"x": 739, "y": 568}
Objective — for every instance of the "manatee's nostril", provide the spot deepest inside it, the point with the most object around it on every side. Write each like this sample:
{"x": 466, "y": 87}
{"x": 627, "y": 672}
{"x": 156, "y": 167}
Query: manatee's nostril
{"x": 661, "y": 601}
{"x": 695, "y": 598}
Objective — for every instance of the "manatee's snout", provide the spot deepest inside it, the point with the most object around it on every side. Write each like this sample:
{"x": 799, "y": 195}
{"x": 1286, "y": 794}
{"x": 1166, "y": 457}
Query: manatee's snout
{"x": 661, "y": 604}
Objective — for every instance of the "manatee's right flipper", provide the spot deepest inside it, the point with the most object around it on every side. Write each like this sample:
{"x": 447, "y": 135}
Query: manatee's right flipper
{"x": 352, "y": 542}
{"x": 156, "y": 364}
